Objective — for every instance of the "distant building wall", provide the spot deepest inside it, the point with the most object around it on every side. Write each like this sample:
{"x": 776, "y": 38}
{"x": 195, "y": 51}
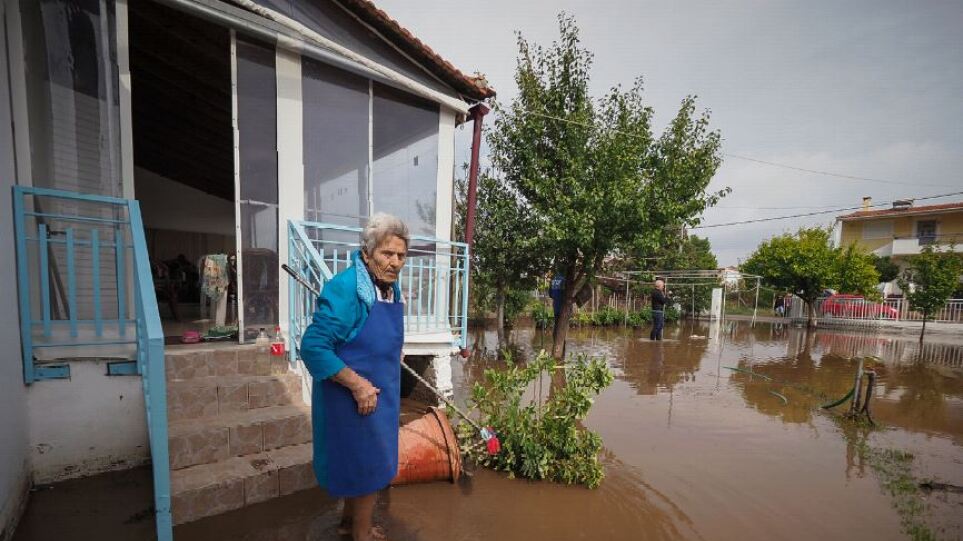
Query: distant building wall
{"x": 873, "y": 234}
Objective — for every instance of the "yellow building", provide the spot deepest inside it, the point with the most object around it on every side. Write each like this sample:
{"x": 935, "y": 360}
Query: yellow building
{"x": 903, "y": 230}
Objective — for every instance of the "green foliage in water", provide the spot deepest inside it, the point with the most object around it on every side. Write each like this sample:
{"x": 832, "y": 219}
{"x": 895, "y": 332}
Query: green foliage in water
{"x": 607, "y": 317}
{"x": 541, "y": 437}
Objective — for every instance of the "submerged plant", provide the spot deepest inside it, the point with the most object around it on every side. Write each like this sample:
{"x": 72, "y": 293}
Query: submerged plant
{"x": 541, "y": 436}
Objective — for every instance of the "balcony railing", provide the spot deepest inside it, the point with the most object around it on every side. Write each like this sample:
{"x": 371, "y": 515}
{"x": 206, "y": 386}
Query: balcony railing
{"x": 914, "y": 245}
{"x": 434, "y": 281}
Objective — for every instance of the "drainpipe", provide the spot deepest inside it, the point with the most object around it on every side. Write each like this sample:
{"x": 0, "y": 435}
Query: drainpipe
{"x": 477, "y": 113}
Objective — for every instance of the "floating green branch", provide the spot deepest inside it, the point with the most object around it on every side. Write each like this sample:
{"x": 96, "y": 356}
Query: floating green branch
{"x": 541, "y": 436}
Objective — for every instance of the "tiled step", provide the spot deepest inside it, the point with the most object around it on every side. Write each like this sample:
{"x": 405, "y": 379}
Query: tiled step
{"x": 212, "y": 489}
{"x": 203, "y": 441}
{"x": 204, "y": 361}
{"x": 204, "y": 397}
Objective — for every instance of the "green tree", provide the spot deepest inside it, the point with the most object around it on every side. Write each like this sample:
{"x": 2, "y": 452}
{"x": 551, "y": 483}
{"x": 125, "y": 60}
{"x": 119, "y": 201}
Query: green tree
{"x": 888, "y": 271}
{"x": 803, "y": 263}
{"x": 504, "y": 261}
{"x": 593, "y": 176}
{"x": 930, "y": 280}
{"x": 856, "y": 272}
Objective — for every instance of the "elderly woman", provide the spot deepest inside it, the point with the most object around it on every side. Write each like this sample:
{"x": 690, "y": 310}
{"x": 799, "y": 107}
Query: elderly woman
{"x": 353, "y": 350}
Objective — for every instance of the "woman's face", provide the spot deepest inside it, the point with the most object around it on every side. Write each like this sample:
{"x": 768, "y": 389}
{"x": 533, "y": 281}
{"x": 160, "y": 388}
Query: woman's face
{"x": 387, "y": 260}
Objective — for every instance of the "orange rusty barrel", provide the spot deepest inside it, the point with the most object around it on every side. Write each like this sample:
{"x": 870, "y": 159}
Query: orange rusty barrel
{"x": 428, "y": 450}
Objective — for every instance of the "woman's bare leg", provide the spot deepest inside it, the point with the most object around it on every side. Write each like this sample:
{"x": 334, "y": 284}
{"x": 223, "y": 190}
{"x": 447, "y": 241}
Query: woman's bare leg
{"x": 347, "y": 517}
{"x": 363, "y": 507}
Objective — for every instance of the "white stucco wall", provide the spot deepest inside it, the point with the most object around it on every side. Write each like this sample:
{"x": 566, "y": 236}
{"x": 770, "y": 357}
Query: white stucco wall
{"x": 13, "y": 415}
{"x": 167, "y": 204}
{"x": 86, "y": 425}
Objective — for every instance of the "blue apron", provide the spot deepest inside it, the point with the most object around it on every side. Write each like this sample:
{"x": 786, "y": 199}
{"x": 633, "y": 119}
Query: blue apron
{"x": 362, "y": 450}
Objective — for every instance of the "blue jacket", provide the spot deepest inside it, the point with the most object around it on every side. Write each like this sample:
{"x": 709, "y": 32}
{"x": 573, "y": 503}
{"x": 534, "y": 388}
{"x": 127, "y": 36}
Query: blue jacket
{"x": 341, "y": 312}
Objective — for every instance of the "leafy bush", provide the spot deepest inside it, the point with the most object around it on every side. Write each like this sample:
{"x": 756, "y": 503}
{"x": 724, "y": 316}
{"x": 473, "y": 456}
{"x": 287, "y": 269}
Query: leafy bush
{"x": 542, "y": 315}
{"x": 606, "y": 316}
{"x": 541, "y": 439}
{"x": 580, "y": 319}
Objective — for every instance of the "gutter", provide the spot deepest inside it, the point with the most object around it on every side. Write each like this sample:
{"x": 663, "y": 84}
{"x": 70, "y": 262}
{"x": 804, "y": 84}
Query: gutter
{"x": 289, "y": 34}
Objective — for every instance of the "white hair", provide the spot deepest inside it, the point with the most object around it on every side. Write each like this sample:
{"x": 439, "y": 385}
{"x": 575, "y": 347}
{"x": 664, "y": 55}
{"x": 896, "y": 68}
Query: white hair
{"x": 380, "y": 228}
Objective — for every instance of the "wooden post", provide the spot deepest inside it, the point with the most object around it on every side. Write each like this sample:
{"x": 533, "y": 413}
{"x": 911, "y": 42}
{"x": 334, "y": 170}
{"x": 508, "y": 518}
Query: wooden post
{"x": 857, "y": 384}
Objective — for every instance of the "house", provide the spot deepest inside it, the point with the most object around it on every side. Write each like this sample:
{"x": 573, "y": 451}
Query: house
{"x": 902, "y": 230}
{"x": 144, "y": 141}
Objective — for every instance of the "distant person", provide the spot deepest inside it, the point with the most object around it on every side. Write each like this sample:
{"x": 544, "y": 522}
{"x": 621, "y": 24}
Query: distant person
{"x": 780, "y": 307}
{"x": 557, "y": 293}
{"x": 659, "y": 300}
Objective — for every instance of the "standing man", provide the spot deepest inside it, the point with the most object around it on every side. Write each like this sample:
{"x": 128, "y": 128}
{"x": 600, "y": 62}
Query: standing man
{"x": 659, "y": 300}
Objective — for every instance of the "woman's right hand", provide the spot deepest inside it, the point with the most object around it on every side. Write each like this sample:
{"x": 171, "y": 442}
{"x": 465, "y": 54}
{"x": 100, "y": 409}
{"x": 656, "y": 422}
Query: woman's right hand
{"x": 366, "y": 395}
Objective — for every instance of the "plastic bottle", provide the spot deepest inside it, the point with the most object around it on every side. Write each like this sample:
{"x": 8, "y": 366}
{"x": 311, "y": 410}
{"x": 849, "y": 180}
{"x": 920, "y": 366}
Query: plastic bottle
{"x": 277, "y": 345}
{"x": 262, "y": 342}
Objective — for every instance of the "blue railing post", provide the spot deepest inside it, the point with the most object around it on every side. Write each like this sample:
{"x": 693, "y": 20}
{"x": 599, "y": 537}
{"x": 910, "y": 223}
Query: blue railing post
{"x": 150, "y": 346}
{"x": 23, "y": 285}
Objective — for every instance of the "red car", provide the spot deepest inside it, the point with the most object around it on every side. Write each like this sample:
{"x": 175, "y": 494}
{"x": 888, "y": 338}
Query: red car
{"x": 855, "y": 306}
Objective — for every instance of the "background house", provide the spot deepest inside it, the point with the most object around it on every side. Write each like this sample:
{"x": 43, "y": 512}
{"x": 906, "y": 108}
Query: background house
{"x": 904, "y": 229}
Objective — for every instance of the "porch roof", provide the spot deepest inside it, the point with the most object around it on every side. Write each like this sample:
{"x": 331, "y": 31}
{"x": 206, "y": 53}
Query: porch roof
{"x": 471, "y": 86}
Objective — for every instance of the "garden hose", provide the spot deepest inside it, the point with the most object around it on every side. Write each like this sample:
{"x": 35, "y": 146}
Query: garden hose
{"x": 841, "y": 400}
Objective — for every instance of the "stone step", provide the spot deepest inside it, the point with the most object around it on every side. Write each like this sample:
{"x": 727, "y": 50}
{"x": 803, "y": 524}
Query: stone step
{"x": 209, "y": 360}
{"x": 204, "y": 397}
{"x": 212, "y": 489}
{"x": 204, "y": 441}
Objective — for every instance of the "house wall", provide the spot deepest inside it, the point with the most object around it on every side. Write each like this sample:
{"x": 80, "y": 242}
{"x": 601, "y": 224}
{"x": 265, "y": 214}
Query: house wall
{"x": 88, "y": 424}
{"x": 902, "y": 227}
{"x": 14, "y": 465}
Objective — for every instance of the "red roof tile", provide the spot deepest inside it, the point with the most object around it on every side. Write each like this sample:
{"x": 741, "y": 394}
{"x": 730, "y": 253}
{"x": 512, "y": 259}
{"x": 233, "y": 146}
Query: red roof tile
{"x": 471, "y": 86}
{"x": 896, "y": 212}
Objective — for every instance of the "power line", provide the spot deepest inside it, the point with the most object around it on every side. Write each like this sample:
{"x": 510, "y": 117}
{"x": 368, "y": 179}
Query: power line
{"x": 817, "y": 213}
{"x": 764, "y": 162}
{"x": 775, "y": 208}
{"x": 830, "y": 174}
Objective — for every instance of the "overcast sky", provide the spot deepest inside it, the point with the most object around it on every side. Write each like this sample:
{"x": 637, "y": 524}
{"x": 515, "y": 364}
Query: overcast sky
{"x": 862, "y": 88}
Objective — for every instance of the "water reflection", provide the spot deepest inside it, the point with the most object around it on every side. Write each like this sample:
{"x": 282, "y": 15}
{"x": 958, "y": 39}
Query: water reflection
{"x": 707, "y": 452}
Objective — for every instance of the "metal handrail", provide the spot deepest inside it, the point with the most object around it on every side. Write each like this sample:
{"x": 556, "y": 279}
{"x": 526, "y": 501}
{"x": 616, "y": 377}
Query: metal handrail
{"x": 149, "y": 339}
{"x": 429, "y": 276}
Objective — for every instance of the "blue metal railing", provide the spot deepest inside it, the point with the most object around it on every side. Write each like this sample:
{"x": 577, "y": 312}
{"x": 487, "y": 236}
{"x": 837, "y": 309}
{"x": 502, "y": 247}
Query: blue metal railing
{"x": 434, "y": 281}
{"x": 91, "y": 311}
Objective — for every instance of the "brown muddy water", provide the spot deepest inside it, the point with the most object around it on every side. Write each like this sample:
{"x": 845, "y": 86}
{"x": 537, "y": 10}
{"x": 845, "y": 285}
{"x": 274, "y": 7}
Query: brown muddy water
{"x": 692, "y": 451}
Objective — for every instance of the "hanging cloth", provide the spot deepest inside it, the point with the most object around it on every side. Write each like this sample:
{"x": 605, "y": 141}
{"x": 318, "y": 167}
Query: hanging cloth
{"x": 215, "y": 277}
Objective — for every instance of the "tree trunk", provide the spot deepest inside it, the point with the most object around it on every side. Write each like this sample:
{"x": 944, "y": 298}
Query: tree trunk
{"x": 560, "y": 331}
{"x": 923, "y": 330}
{"x": 811, "y": 321}
{"x": 500, "y": 316}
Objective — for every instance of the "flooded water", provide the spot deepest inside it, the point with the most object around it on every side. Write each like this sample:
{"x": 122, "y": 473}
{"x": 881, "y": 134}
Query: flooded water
{"x": 694, "y": 450}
